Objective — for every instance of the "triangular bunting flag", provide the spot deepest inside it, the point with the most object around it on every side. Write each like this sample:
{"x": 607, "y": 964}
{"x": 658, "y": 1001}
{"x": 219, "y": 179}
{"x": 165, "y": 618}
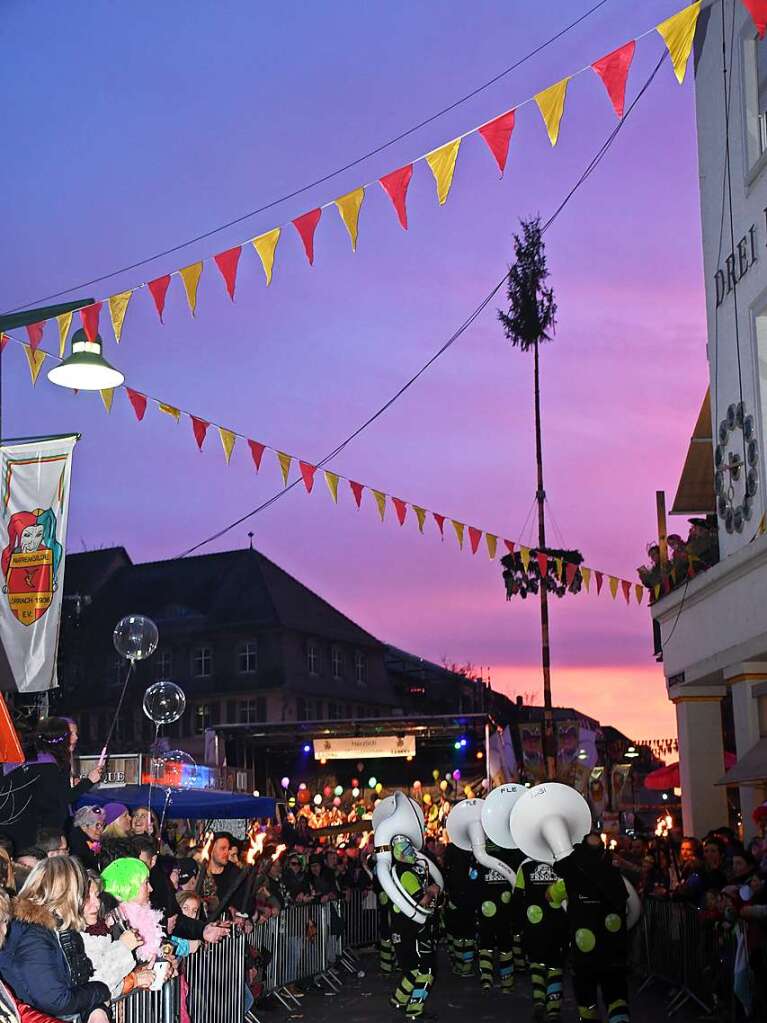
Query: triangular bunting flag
{"x": 613, "y": 586}
{"x": 395, "y": 185}
{"x": 626, "y": 587}
{"x": 118, "y": 307}
{"x": 306, "y": 226}
{"x": 285, "y": 463}
{"x": 458, "y": 527}
{"x": 524, "y": 557}
{"x": 138, "y": 402}
{"x": 586, "y": 576}
{"x": 559, "y": 563}
{"x": 613, "y": 69}
{"x": 492, "y": 545}
{"x": 35, "y": 334}
{"x": 332, "y": 483}
{"x": 228, "y": 438}
{"x": 257, "y": 451}
{"x": 200, "y": 430}
{"x": 381, "y": 502}
{"x": 599, "y": 576}
{"x": 35, "y": 360}
{"x": 639, "y": 591}
{"x": 509, "y": 546}
{"x": 543, "y": 563}
{"x": 440, "y": 520}
{"x": 158, "y": 289}
{"x": 400, "y": 510}
{"x": 420, "y": 514}
{"x": 442, "y": 163}
{"x": 497, "y": 135}
{"x": 190, "y": 276}
{"x": 656, "y": 591}
{"x": 551, "y": 103}
{"x": 475, "y": 535}
{"x": 570, "y": 570}
{"x": 90, "y": 317}
{"x": 307, "y": 474}
{"x": 169, "y": 410}
{"x": 3, "y": 341}
{"x": 107, "y": 395}
{"x": 678, "y": 33}
{"x": 349, "y": 207}
{"x": 265, "y": 246}
{"x": 227, "y": 264}
{"x": 758, "y": 11}
{"x": 356, "y": 489}
{"x": 64, "y": 322}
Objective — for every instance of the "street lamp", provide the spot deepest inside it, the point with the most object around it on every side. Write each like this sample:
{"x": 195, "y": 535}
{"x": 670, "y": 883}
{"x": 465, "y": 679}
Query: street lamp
{"x": 85, "y": 369}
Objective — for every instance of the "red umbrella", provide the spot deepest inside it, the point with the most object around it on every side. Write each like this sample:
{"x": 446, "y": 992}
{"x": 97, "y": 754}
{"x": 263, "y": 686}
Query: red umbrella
{"x": 668, "y": 777}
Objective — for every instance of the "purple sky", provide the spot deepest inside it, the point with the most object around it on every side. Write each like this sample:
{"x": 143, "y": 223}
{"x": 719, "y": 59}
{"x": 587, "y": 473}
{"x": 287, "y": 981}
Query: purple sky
{"x": 134, "y": 127}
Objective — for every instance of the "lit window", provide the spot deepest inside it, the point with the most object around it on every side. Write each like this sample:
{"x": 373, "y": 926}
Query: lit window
{"x": 337, "y": 661}
{"x": 360, "y": 668}
{"x": 163, "y": 664}
{"x": 313, "y": 659}
{"x": 248, "y": 658}
{"x": 202, "y": 659}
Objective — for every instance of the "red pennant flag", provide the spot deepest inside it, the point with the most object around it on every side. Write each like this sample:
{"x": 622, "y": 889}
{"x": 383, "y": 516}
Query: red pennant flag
{"x": 497, "y": 135}
{"x": 395, "y": 185}
{"x": 200, "y": 428}
{"x": 509, "y": 546}
{"x": 626, "y": 587}
{"x": 3, "y": 341}
{"x": 257, "y": 451}
{"x": 90, "y": 317}
{"x": 400, "y": 509}
{"x": 307, "y": 474}
{"x": 613, "y": 69}
{"x": 227, "y": 264}
{"x": 475, "y": 535}
{"x": 306, "y": 226}
{"x": 138, "y": 401}
{"x": 158, "y": 289}
{"x": 543, "y": 563}
{"x": 599, "y": 576}
{"x": 357, "y": 489}
{"x": 35, "y": 334}
{"x": 570, "y": 570}
{"x": 758, "y": 11}
{"x": 440, "y": 520}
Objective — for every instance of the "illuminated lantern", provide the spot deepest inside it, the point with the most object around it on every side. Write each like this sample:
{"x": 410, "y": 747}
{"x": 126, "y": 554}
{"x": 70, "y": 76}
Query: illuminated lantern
{"x": 379, "y": 788}
{"x": 372, "y": 782}
{"x": 337, "y": 801}
{"x": 468, "y": 791}
{"x": 355, "y": 783}
{"x": 456, "y": 775}
{"x": 435, "y": 774}
{"x": 318, "y": 800}
{"x": 443, "y": 785}
{"x": 339, "y": 790}
{"x": 302, "y": 786}
{"x": 292, "y": 801}
{"x": 327, "y": 791}
{"x": 285, "y": 782}
{"x": 426, "y": 798}
{"x": 356, "y": 793}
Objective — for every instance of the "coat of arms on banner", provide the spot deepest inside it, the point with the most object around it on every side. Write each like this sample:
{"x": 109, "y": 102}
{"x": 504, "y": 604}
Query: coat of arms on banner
{"x": 30, "y": 563}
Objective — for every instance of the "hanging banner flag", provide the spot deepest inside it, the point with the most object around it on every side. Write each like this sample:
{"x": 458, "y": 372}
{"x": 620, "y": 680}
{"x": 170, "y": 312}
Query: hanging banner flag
{"x": 420, "y": 514}
{"x": 524, "y": 555}
{"x": 639, "y": 591}
{"x": 307, "y": 474}
{"x": 613, "y": 586}
{"x": 475, "y": 535}
{"x": 381, "y": 502}
{"x": 599, "y": 576}
{"x": 597, "y": 792}
{"x": 356, "y": 489}
{"x": 442, "y": 163}
{"x": 492, "y": 545}
{"x": 758, "y": 11}
{"x": 35, "y": 360}
{"x": 586, "y": 576}
{"x": 190, "y": 278}
{"x": 64, "y": 322}
{"x": 285, "y": 462}
{"x": 107, "y": 397}
{"x": 138, "y": 402}
{"x": 626, "y": 587}
{"x": 90, "y": 318}
{"x": 200, "y": 430}
{"x": 678, "y": 33}
{"x": 169, "y": 410}
{"x": 34, "y": 502}
{"x": 306, "y": 225}
{"x": 331, "y": 479}
{"x": 613, "y": 69}
{"x": 543, "y": 563}
{"x": 395, "y": 185}
{"x": 349, "y": 207}
{"x": 257, "y": 452}
{"x": 531, "y": 738}
{"x": 118, "y": 307}
{"x": 227, "y": 264}
{"x": 158, "y": 289}
{"x": 227, "y": 442}
{"x": 35, "y": 334}
{"x": 458, "y": 527}
{"x": 551, "y": 103}
{"x": 497, "y": 135}
{"x": 373, "y": 746}
{"x": 440, "y": 520}
{"x": 400, "y": 510}
{"x": 265, "y": 246}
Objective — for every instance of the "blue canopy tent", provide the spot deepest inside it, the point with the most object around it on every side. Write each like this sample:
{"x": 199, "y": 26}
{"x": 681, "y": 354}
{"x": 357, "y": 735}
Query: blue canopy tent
{"x": 196, "y": 804}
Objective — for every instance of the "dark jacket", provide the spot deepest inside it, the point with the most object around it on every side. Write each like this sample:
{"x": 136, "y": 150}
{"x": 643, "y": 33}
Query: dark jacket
{"x": 80, "y": 846}
{"x": 38, "y": 795}
{"x": 33, "y": 965}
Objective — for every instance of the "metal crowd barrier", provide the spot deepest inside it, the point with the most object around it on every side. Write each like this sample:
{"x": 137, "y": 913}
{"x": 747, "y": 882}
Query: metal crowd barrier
{"x": 163, "y": 1006}
{"x": 216, "y": 981}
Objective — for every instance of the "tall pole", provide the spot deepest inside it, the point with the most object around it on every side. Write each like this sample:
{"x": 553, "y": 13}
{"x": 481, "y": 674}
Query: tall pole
{"x": 548, "y": 718}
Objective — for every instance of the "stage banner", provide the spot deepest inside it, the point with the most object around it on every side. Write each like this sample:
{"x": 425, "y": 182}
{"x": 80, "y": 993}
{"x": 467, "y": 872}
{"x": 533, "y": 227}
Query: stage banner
{"x": 568, "y": 744}
{"x": 620, "y": 776}
{"x": 365, "y": 746}
{"x": 34, "y": 500}
{"x": 531, "y": 736}
{"x": 503, "y": 761}
{"x": 597, "y": 791}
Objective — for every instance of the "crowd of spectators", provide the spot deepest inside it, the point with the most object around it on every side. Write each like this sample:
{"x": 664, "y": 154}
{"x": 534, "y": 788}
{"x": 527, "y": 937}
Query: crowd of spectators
{"x": 686, "y": 558}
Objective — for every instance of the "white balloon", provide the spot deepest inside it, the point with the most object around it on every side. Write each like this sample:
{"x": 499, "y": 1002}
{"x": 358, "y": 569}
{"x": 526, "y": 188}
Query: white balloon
{"x": 164, "y": 702}
{"x": 135, "y": 637}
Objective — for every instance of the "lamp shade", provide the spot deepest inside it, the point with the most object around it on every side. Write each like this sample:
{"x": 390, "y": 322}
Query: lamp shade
{"x": 85, "y": 369}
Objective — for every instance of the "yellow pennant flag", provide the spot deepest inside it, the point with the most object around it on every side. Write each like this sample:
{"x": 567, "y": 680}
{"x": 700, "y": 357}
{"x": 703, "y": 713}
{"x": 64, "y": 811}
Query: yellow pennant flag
{"x": 107, "y": 394}
{"x": 558, "y": 563}
{"x": 639, "y": 590}
{"x": 190, "y": 275}
{"x": 285, "y": 462}
{"x": 678, "y": 33}
{"x": 420, "y": 514}
{"x": 492, "y": 543}
{"x": 613, "y": 586}
{"x": 656, "y": 591}
{"x": 265, "y": 245}
{"x": 118, "y": 307}
{"x": 551, "y": 103}
{"x": 349, "y": 208}
{"x": 169, "y": 410}
{"x": 332, "y": 481}
{"x": 442, "y": 163}
{"x": 65, "y": 322}
{"x": 227, "y": 440}
{"x": 458, "y": 527}
{"x": 381, "y": 502}
{"x": 35, "y": 359}
{"x": 524, "y": 556}
{"x": 586, "y": 575}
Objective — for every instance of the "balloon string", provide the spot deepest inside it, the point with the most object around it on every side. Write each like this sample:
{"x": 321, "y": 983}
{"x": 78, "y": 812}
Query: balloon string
{"x": 105, "y": 750}
{"x": 152, "y": 761}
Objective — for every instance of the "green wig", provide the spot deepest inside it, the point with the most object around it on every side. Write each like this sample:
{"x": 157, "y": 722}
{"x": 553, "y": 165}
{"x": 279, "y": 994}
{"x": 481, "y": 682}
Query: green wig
{"x": 123, "y": 878}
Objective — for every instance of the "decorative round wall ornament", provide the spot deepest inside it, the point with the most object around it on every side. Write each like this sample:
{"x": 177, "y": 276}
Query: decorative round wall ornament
{"x": 736, "y": 468}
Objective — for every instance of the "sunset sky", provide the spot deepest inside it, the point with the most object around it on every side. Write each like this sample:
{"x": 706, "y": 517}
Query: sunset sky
{"x": 134, "y": 127}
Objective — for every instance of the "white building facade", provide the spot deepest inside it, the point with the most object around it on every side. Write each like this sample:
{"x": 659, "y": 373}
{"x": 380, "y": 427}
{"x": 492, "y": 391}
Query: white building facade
{"x": 713, "y": 627}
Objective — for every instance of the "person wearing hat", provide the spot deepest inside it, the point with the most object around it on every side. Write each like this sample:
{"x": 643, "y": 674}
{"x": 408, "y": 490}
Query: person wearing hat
{"x": 85, "y": 836}
{"x": 545, "y": 936}
{"x": 117, "y": 820}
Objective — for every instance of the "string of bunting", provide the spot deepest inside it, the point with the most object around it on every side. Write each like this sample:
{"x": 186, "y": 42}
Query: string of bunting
{"x": 677, "y": 33}
{"x": 465, "y": 534}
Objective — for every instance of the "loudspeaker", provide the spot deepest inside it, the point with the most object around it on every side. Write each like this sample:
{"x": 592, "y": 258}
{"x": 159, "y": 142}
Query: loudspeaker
{"x": 464, "y": 829}
{"x": 398, "y": 814}
{"x": 549, "y": 820}
{"x": 496, "y": 814}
